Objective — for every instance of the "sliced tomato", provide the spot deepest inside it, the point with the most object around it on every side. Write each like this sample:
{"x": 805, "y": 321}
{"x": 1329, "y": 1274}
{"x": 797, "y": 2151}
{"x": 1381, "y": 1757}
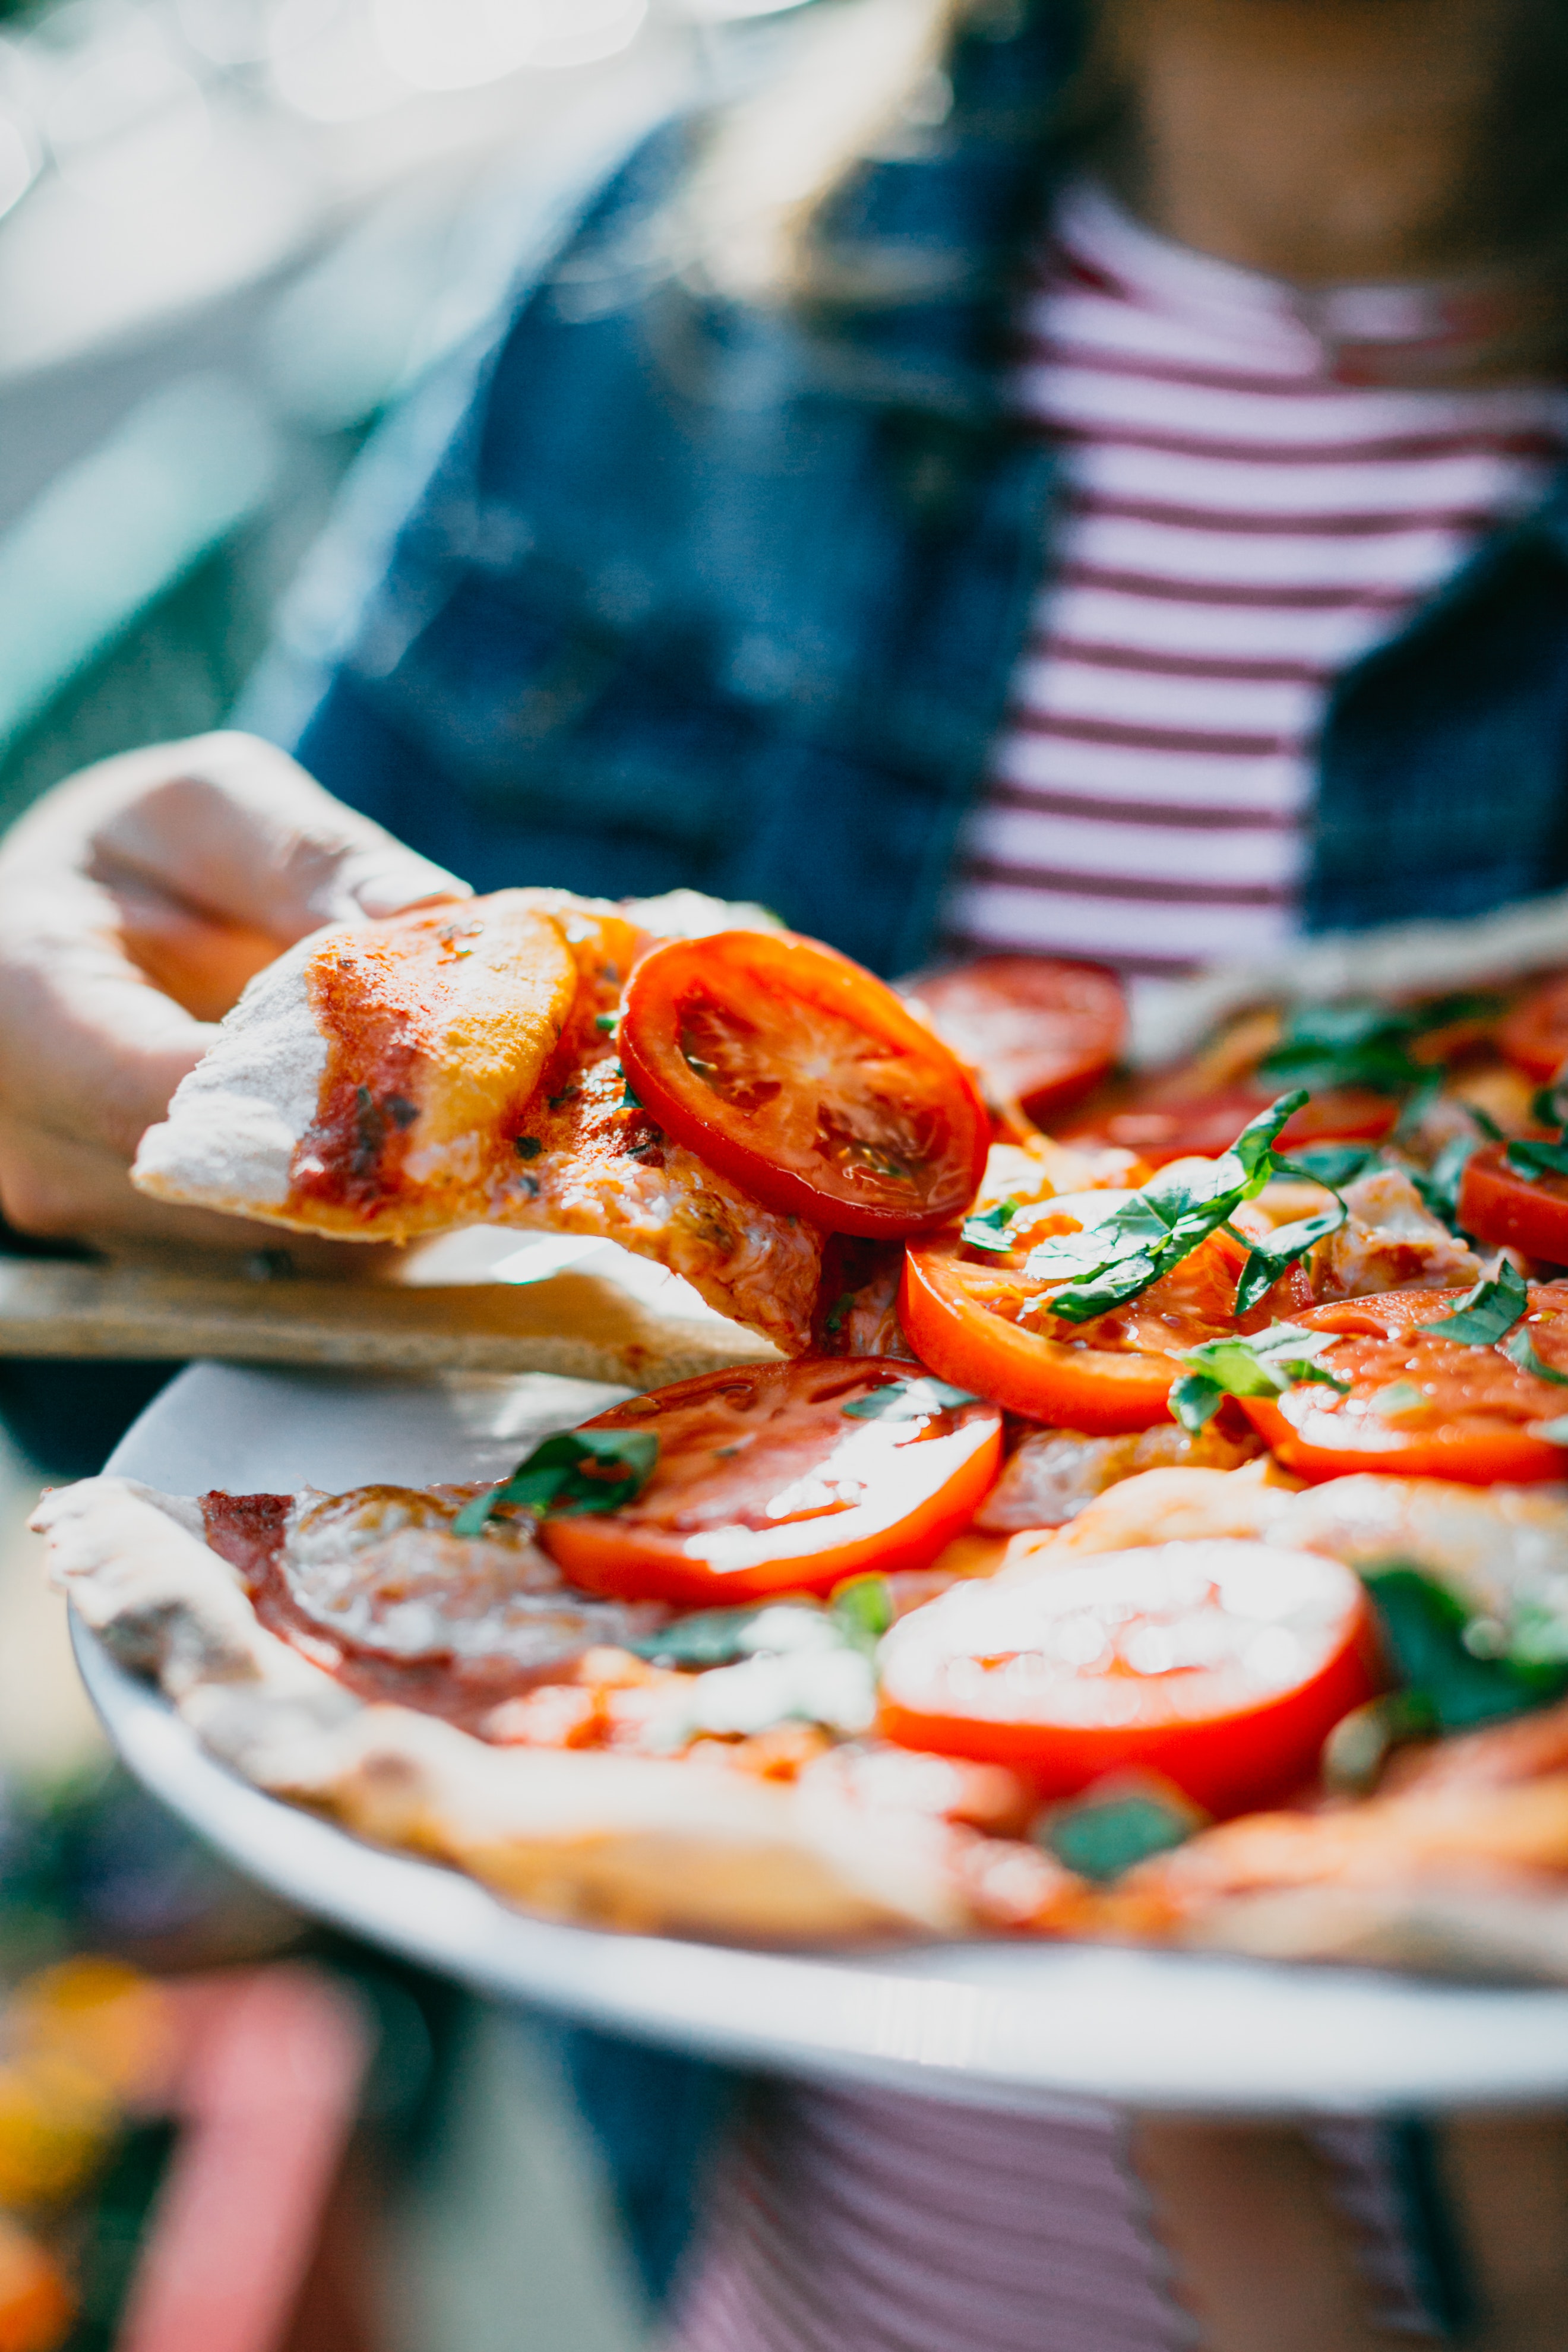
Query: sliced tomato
{"x": 1535, "y": 1035}
{"x": 1039, "y": 1030}
{"x": 1514, "y": 1212}
{"x": 1161, "y": 1124}
{"x": 1221, "y": 1665}
{"x": 768, "y": 1482}
{"x": 982, "y": 1322}
{"x": 1421, "y": 1406}
{"x": 806, "y": 1081}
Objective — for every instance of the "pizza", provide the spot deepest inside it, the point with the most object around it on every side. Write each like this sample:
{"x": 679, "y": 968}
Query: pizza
{"x": 1152, "y": 1529}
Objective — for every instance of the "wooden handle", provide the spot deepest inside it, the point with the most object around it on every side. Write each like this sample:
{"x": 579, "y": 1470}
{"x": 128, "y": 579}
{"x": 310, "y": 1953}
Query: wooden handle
{"x": 573, "y": 1324}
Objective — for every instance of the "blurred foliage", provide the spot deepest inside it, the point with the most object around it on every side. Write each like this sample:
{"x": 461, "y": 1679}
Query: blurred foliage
{"x": 103, "y": 1896}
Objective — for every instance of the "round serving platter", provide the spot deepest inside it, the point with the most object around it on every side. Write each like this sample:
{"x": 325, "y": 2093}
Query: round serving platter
{"x": 998, "y": 2024}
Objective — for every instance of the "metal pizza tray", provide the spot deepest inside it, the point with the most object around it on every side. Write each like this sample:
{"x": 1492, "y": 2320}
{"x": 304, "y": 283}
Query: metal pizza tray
{"x": 996, "y": 2024}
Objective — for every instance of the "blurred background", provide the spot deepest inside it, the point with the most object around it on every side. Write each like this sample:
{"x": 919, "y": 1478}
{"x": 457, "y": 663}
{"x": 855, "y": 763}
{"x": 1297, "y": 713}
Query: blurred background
{"x": 233, "y": 234}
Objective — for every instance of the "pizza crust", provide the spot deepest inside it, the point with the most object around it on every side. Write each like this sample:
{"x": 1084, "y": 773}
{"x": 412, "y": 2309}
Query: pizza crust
{"x": 606, "y": 1839}
{"x": 238, "y": 1120}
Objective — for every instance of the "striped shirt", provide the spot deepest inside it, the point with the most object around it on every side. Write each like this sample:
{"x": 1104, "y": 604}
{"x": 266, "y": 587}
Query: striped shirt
{"x": 1237, "y": 525}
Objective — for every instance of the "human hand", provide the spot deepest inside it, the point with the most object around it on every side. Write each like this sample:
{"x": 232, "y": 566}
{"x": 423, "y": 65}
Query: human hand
{"x": 136, "y": 900}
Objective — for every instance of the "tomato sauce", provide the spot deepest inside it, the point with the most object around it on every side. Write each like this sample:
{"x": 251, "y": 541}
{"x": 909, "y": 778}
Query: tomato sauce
{"x": 375, "y": 1000}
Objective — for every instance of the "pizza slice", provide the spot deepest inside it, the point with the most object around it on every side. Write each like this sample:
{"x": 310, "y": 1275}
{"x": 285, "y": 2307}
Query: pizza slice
{"x": 458, "y": 1067}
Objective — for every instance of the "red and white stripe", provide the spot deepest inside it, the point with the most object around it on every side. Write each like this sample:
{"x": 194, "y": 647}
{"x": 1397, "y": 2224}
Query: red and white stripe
{"x": 866, "y": 2221}
{"x": 1237, "y": 526}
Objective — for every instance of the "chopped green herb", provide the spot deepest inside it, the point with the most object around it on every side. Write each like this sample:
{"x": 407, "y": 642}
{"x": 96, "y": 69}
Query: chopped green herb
{"x": 1362, "y": 1742}
{"x": 1354, "y": 1044}
{"x": 630, "y": 1099}
{"x": 1550, "y": 1105}
{"x": 1519, "y": 1349}
{"x": 606, "y": 1024}
{"x": 527, "y": 1147}
{"x": 910, "y": 1400}
{"x": 861, "y": 1609}
{"x": 779, "y": 1661}
{"x": 563, "y": 1474}
{"x": 1429, "y": 1636}
{"x": 1277, "y": 1360}
{"x": 1106, "y": 1835}
{"x": 1413, "y": 1112}
{"x": 988, "y": 1229}
{"x": 710, "y": 1637}
{"x": 839, "y": 1309}
{"x": 1333, "y": 1164}
{"x": 1400, "y": 1396}
{"x": 1269, "y": 1259}
{"x": 1439, "y": 1184}
{"x": 1536, "y": 1160}
{"x": 1159, "y": 1226}
{"x": 1486, "y": 1313}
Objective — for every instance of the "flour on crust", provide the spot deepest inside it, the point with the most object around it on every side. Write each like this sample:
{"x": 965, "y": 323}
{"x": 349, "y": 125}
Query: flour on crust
{"x": 236, "y": 1122}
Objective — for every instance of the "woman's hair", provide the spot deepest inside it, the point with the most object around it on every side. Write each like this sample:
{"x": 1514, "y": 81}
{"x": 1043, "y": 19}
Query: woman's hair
{"x": 869, "y": 79}
{"x": 763, "y": 214}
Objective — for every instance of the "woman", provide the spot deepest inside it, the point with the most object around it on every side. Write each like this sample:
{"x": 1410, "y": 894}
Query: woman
{"x": 1085, "y": 484}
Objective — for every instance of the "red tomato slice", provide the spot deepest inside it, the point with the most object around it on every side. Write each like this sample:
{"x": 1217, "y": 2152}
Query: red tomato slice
{"x": 1535, "y": 1035}
{"x": 803, "y": 1079}
{"x": 766, "y": 1483}
{"x": 1040, "y": 1031}
{"x": 1499, "y": 1206}
{"x": 1470, "y": 1421}
{"x": 962, "y": 1314}
{"x": 1162, "y": 1125}
{"x": 1222, "y": 1666}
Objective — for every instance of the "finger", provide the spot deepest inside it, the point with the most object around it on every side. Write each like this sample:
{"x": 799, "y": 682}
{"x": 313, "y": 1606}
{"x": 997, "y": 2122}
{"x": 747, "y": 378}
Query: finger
{"x": 203, "y": 963}
{"x": 90, "y": 1050}
{"x": 236, "y": 829}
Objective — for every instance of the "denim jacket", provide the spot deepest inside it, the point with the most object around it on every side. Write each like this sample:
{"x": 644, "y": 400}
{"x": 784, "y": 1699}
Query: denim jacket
{"x": 698, "y": 593}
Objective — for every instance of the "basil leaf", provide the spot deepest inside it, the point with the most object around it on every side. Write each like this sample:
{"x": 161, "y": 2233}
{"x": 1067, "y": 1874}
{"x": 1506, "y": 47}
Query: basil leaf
{"x": 557, "y": 1476}
{"x": 988, "y": 1229}
{"x": 1195, "y": 1399}
{"x": 1439, "y": 1184}
{"x": 1488, "y": 1311}
{"x": 1550, "y": 1105}
{"x": 1400, "y": 1396}
{"x": 862, "y": 1610}
{"x": 1349, "y": 1045}
{"x": 1362, "y": 1742}
{"x": 1268, "y": 1260}
{"x": 1283, "y": 1357}
{"x": 1535, "y": 1160}
{"x": 1159, "y": 1226}
{"x": 1333, "y": 1164}
{"x": 1103, "y": 1837}
{"x": 1426, "y": 1091}
{"x": 712, "y": 1637}
{"x": 1519, "y": 1349}
{"x": 910, "y": 1400}
{"x": 1427, "y": 1633}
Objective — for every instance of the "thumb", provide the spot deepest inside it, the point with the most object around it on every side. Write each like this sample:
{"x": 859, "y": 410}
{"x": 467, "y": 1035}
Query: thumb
{"x": 235, "y": 829}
